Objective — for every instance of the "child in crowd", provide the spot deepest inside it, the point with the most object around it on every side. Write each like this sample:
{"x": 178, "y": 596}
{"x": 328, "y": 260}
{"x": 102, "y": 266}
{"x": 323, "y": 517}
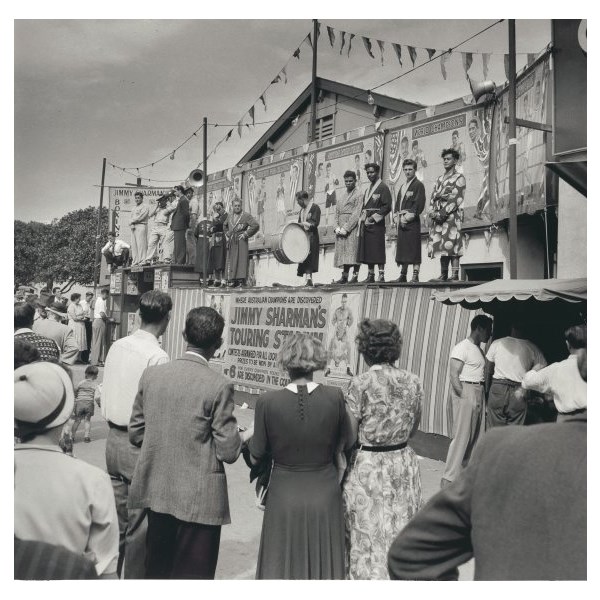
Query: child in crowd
{"x": 86, "y": 391}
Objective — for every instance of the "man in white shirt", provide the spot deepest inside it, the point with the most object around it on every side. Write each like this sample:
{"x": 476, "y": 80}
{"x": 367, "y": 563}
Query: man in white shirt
{"x": 126, "y": 361}
{"x": 508, "y": 359}
{"x": 467, "y": 367}
{"x": 116, "y": 252}
{"x": 99, "y": 329}
{"x": 562, "y": 379}
{"x": 87, "y": 306}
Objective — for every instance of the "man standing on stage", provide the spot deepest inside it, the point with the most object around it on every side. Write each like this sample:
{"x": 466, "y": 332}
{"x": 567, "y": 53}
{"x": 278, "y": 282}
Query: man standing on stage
{"x": 138, "y": 222}
{"x": 377, "y": 203}
{"x": 116, "y": 252}
{"x": 126, "y": 361}
{"x": 446, "y": 215}
{"x": 467, "y": 366}
{"x": 239, "y": 227}
{"x": 160, "y": 229}
{"x": 409, "y": 205}
{"x": 179, "y": 225}
{"x": 347, "y": 213}
{"x": 190, "y": 241}
{"x": 101, "y": 318}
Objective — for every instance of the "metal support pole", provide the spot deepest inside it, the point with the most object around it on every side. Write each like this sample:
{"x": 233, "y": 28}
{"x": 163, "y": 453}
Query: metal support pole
{"x": 313, "y": 87}
{"x": 205, "y": 203}
{"x": 97, "y": 255}
{"x": 512, "y": 151}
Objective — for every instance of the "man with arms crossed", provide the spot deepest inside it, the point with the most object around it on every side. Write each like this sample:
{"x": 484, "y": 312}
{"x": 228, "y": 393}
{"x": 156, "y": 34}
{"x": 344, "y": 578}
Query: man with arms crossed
{"x": 126, "y": 361}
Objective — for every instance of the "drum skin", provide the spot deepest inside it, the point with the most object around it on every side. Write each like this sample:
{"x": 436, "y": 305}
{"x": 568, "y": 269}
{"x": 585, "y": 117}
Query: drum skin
{"x": 291, "y": 245}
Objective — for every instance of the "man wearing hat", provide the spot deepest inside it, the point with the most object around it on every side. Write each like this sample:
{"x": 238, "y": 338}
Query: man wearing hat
{"x": 63, "y": 335}
{"x": 24, "y": 316}
{"x": 58, "y": 499}
{"x": 180, "y": 222}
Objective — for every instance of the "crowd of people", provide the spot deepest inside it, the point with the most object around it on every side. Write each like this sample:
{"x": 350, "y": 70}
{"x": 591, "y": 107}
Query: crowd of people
{"x": 217, "y": 246}
{"x": 338, "y": 481}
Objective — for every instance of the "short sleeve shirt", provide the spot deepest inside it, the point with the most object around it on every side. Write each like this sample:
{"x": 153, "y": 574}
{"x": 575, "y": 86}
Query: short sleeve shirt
{"x": 513, "y": 357}
{"x": 473, "y": 359}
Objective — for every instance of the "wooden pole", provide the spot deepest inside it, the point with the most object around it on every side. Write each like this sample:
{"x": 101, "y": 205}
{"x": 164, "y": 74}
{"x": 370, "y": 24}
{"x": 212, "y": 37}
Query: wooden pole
{"x": 313, "y": 88}
{"x": 205, "y": 202}
{"x": 512, "y": 151}
{"x": 97, "y": 256}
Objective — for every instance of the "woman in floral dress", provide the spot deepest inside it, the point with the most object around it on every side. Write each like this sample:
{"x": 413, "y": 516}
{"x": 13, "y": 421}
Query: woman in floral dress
{"x": 382, "y": 491}
{"x": 446, "y": 216}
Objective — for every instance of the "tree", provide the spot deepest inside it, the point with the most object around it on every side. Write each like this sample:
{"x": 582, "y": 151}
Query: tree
{"x": 62, "y": 251}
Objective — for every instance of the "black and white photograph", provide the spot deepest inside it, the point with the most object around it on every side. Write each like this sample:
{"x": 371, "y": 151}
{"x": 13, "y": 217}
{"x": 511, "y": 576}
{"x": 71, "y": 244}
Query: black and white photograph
{"x": 224, "y": 368}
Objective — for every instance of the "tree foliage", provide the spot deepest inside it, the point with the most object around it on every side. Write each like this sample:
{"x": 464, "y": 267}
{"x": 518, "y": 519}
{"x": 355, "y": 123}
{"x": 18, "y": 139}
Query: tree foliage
{"x": 63, "y": 250}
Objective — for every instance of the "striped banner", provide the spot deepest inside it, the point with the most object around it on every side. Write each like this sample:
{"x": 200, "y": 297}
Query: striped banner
{"x": 429, "y": 332}
{"x": 184, "y": 300}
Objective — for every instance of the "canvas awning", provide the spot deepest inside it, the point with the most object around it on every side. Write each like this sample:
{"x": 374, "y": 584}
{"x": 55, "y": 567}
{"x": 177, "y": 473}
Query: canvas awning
{"x": 504, "y": 290}
{"x": 573, "y": 172}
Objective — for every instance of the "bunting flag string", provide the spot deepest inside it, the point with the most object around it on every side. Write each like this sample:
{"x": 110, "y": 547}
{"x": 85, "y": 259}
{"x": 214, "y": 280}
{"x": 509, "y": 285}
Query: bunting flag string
{"x": 467, "y": 61}
{"x": 367, "y": 43}
{"x": 431, "y": 52}
{"x": 380, "y": 44}
{"x": 485, "y": 63}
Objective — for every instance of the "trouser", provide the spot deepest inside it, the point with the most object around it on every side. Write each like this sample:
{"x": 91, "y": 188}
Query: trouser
{"x": 179, "y": 550}
{"x": 190, "y": 241}
{"x": 121, "y": 457}
{"x": 88, "y": 334}
{"x": 179, "y": 245}
{"x": 468, "y": 424}
{"x": 139, "y": 242}
{"x": 168, "y": 245}
{"x": 98, "y": 341}
{"x": 507, "y": 404}
{"x": 117, "y": 261}
{"x": 157, "y": 239}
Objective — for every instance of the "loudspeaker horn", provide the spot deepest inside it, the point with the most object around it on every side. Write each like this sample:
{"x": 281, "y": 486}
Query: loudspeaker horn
{"x": 482, "y": 88}
{"x": 196, "y": 177}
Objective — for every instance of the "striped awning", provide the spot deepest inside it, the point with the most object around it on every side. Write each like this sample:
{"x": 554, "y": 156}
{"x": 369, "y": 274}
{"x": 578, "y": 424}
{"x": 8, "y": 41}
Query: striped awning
{"x": 504, "y": 290}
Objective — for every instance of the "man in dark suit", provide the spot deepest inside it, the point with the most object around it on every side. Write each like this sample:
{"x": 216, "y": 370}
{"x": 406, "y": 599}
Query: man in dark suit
{"x": 179, "y": 225}
{"x": 519, "y": 509}
{"x": 183, "y": 420}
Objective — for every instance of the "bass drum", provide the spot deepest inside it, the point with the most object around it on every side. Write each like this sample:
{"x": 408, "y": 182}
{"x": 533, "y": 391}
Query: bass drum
{"x": 291, "y": 245}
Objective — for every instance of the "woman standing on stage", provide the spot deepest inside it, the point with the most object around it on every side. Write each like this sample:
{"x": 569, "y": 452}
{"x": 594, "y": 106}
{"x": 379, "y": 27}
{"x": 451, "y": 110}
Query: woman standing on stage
{"x": 309, "y": 218}
{"x": 382, "y": 491}
{"x": 218, "y": 248}
{"x": 301, "y": 428}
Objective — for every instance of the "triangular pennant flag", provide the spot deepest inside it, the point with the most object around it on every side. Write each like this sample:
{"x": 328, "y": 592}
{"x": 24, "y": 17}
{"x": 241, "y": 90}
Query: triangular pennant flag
{"x": 530, "y": 58}
{"x": 284, "y": 75}
{"x": 350, "y": 44}
{"x": 309, "y": 36}
{"x": 297, "y": 54}
{"x": 380, "y": 44}
{"x": 367, "y": 43}
{"x": 412, "y": 52}
{"x": 443, "y": 61}
{"x": 263, "y": 99}
{"x": 343, "y": 33}
{"x": 277, "y": 78}
{"x": 228, "y": 134}
{"x": 485, "y": 60}
{"x": 430, "y": 52}
{"x": 377, "y": 125}
{"x": 506, "y": 69}
{"x": 398, "y": 51}
{"x": 239, "y": 127}
{"x": 467, "y": 61}
{"x": 251, "y": 113}
{"x": 331, "y": 35}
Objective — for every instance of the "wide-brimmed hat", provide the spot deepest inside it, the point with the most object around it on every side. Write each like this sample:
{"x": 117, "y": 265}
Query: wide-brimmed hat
{"x": 44, "y": 397}
{"x": 58, "y": 308}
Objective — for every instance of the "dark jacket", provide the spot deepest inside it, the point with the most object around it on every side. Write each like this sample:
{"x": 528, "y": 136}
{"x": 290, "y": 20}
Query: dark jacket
{"x": 519, "y": 509}
{"x": 181, "y": 217}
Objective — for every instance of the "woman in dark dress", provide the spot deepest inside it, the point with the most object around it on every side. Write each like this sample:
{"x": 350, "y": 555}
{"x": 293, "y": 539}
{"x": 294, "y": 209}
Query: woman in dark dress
{"x": 309, "y": 217}
{"x": 203, "y": 235}
{"x": 218, "y": 248}
{"x": 301, "y": 427}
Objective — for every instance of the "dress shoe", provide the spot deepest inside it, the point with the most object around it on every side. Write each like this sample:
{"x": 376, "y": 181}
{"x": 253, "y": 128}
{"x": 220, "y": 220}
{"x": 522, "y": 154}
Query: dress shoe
{"x": 349, "y": 372}
{"x": 381, "y": 278}
{"x": 442, "y": 277}
{"x": 211, "y": 282}
{"x": 415, "y": 278}
{"x": 343, "y": 279}
{"x": 370, "y": 278}
{"x": 401, "y": 279}
{"x": 218, "y": 283}
{"x": 354, "y": 278}
{"x": 309, "y": 283}
{"x": 454, "y": 278}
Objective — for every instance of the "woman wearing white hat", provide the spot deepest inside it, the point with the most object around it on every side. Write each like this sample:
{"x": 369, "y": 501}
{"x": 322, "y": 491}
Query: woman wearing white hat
{"x": 58, "y": 499}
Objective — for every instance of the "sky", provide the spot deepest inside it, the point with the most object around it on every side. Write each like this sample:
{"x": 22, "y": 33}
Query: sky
{"x": 133, "y": 90}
